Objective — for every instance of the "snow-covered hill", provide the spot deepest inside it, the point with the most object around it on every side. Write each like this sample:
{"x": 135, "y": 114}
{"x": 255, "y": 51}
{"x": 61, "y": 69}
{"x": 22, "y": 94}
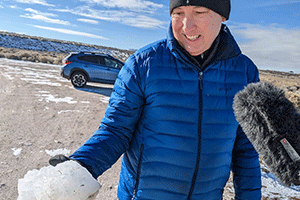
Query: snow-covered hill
{"x": 18, "y": 41}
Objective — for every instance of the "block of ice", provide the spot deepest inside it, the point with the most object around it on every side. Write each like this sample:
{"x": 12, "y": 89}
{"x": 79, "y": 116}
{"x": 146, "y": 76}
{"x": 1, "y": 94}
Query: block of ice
{"x": 67, "y": 181}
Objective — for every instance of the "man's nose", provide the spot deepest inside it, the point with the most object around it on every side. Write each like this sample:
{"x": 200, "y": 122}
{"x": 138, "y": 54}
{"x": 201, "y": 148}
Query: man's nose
{"x": 188, "y": 23}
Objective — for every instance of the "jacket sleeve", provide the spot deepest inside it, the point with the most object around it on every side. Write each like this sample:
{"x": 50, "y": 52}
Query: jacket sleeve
{"x": 115, "y": 132}
{"x": 246, "y": 169}
{"x": 245, "y": 160}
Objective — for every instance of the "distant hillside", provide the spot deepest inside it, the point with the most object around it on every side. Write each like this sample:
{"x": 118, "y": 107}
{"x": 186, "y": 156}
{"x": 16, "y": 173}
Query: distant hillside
{"x": 39, "y": 49}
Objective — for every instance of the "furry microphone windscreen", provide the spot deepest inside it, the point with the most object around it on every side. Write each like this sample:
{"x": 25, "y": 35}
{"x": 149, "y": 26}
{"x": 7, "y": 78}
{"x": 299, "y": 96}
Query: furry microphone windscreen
{"x": 272, "y": 124}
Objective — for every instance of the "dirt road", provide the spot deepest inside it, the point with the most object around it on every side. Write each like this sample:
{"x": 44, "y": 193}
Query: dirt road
{"x": 41, "y": 111}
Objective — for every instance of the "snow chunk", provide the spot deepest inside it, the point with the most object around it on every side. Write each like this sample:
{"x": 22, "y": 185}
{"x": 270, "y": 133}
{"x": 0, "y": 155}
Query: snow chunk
{"x": 105, "y": 99}
{"x": 67, "y": 181}
{"x": 16, "y": 151}
{"x": 52, "y": 153}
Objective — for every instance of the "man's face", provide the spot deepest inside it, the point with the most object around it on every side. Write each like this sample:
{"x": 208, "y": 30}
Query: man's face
{"x": 195, "y": 28}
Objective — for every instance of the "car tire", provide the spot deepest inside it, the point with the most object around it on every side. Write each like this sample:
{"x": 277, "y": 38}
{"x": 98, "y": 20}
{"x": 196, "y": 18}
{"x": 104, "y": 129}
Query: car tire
{"x": 78, "y": 79}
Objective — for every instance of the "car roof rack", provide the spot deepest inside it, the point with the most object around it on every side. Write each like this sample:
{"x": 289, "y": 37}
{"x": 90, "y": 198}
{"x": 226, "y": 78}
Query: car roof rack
{"x": 94, "y": 53}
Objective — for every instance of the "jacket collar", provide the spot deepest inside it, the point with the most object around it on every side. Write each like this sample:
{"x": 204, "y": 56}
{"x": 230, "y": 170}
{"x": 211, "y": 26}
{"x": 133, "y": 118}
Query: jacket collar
{"x": 227, "y": 48}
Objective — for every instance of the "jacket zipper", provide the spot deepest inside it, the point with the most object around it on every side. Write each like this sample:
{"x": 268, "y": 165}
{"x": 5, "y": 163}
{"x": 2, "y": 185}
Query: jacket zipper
{"x": 138, "y": 173}
{"x": 200, "y": 77}
{"x": 199, "y": 137}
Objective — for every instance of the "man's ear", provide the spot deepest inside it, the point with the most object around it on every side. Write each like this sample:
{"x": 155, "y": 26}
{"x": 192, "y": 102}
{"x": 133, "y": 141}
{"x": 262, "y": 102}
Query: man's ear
{"x": 223, "y": 19}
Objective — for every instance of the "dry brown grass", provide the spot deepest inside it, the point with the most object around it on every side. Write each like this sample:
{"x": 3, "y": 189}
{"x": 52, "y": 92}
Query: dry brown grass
{"x": 33, "y": 56}
{"x": 289, "y": 82}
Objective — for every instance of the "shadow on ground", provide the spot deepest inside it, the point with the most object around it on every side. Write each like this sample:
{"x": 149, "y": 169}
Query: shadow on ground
{"x": 103, "y": 89}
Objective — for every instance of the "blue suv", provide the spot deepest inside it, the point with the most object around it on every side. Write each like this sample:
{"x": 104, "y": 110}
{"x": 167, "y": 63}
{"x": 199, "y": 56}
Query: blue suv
{"x": 85, "y": 67}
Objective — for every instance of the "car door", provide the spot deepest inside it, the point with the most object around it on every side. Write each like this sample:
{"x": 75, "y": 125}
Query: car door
{"x": 113, "y": 67}
{"x": 93, "y": 66}
{"x": 98, "y": 70}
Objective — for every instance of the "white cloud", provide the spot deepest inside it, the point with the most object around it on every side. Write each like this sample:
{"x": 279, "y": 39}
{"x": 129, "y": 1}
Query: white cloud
{"x": 70, "y": 32}
{"x": 129, "y": 18}
{"x": 142, "y": 21}
{"x": 272, "y": 46}
{"x": 90, "y": 21}
{"x": 42, "y": 16}
{"x": 40, "y": 2}
{"x": 136, "y": 5}
{"x": 45, "y": 19}
{"x": 1, "y": 6}
{"x": 40, "y": 13}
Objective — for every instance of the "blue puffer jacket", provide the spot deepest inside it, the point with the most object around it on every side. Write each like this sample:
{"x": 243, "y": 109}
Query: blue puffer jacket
{"x": 176, "y": 127}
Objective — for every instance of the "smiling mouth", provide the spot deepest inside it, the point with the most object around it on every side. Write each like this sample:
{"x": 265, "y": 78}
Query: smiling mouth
{"x": 192, "y": 37}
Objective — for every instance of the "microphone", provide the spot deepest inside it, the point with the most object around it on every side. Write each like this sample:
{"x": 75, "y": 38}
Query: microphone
{"x": 272, "y": 124}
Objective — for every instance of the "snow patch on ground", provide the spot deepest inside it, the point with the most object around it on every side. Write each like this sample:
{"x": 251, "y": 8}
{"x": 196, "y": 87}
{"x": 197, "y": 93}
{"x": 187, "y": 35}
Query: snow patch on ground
{"x": 16, "y": 152}
{"x": 53, "y": 98}
{"x": 104, "y": 99}
{"x": 41, "y": 75}
{"x": 52, "y": 153}
{"x": 67, "y": 111}
{"x": 272, "y": 188}
{"x": 85, "y": 102}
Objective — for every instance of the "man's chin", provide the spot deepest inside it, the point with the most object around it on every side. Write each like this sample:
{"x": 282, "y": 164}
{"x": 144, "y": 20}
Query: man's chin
{"x": 194, "y": 52}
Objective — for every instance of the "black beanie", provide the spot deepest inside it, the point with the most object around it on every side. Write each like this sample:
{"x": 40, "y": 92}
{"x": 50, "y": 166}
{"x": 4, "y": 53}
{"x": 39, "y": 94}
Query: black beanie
{"x": 219, "y": 6}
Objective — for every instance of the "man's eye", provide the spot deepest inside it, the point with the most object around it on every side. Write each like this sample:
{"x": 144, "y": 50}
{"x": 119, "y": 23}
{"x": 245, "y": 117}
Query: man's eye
{"x": 200, "y": 12}
{"x": 177, "y": 13}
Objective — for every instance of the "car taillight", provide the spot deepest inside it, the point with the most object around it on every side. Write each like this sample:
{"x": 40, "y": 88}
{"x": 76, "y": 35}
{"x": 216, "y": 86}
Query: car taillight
{"x": 66, "y": 62}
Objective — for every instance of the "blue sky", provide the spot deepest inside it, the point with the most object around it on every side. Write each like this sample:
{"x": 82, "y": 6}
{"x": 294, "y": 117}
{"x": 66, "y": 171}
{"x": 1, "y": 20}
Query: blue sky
{"x": 268, "y": 31}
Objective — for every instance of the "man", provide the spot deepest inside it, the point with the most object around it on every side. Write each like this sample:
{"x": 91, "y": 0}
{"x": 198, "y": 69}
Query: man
{"x": 170, "y": 114}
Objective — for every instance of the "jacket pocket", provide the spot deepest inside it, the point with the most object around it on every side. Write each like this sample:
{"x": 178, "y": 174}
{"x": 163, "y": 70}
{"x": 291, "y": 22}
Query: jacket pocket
{"x": 136, "y": 185}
